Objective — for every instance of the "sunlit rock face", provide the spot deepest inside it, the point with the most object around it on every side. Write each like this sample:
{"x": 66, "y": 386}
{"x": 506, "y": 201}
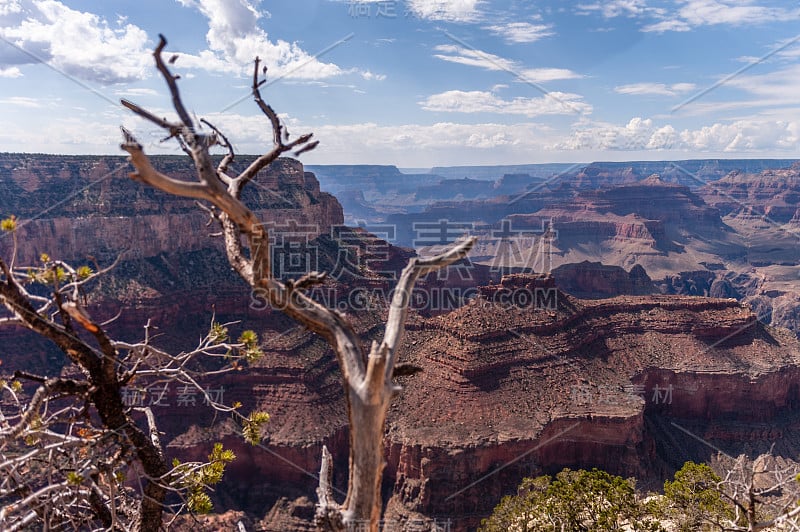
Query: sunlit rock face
{"x": 510, "y": 387}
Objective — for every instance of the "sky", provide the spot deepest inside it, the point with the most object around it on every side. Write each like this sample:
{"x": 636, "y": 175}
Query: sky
{"x": 414, "y": 83}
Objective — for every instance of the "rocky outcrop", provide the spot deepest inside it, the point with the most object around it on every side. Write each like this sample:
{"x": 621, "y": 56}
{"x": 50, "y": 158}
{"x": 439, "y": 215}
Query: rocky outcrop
{"x": 593, "y": 280}
{"x": 75, "y": 207}
{"x": 572, "y": 387}
{"x": 462, "y": 188}
{"x": 734, "y": 237}
{"x": 773, "y": 193}
{"x": 86, "y": 210}
{"x": 514, "y": 184}
{"x": 692, "y": 173}
{"x": 510, "y": 388}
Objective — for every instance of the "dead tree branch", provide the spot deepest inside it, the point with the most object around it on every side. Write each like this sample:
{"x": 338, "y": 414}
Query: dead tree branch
{"x": 63, "y": 447}
{"x": 367, "y": 379}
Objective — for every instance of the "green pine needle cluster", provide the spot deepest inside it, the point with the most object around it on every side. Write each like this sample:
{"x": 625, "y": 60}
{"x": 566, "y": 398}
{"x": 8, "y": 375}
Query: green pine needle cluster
{"x": 251, "y": 428}
{"x": 83, "y": 272}
{"x": 251, "y": 350}
{"x": 74, "y": 479}
{"x": 248, "y": 342}
{"x": 9, "y": 224}
{"x": 196, "y": 482}
{"x": 218, "y": 333}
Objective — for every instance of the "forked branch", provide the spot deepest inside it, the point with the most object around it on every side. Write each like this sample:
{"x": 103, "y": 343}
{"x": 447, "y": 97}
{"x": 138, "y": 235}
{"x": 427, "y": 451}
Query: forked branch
{"x": 367, "y": 379}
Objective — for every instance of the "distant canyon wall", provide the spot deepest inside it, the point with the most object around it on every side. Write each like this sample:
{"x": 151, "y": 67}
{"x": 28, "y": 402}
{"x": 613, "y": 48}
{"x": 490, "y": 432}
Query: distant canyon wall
{"x": 75, "y": 207}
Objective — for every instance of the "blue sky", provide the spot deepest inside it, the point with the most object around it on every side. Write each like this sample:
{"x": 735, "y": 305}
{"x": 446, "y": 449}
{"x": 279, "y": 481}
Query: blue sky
{"x": 415, "y": 83}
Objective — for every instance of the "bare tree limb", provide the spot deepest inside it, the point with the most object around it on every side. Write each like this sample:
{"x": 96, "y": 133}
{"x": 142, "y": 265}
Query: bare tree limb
{"x": 367, "y": 378}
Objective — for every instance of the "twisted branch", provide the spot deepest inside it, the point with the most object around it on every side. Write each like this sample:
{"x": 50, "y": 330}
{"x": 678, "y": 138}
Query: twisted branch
{"x": 367, "y": 380}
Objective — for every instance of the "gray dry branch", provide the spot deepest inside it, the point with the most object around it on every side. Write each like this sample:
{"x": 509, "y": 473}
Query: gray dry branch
{"x": 73, "y": 453}
{"x": 763, "y": 492}
{"x": 367, "y": 376}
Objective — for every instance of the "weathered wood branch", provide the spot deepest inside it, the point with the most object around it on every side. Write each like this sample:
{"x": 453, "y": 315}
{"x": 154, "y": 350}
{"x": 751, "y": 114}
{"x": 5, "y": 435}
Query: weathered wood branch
{"x": 367, "y": 378}
{"x": 104, "y": 392}
{"x": 328, "y": 516}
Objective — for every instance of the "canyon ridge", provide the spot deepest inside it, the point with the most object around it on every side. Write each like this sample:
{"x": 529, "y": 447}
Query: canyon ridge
{"x": 612, "y": 315}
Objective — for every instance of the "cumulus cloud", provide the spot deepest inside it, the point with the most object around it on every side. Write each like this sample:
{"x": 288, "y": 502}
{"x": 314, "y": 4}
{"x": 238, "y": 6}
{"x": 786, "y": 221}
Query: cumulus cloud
{"x": 745, "y": 136}
{"x": 234, "y": 39}
{"x": 637, "y": 134}
{"x": 741, "y": 136}
{"x": 9, "y": 7}
{"x": 487, "y": 61}
{"x": 485, "y": 102}
{"x": 346, "y": 143}
{"x": 10, "y": 72}
{"x": 659, "y": 89}
{"x": 521, "y": 32}
{"x": 78, "y": 43}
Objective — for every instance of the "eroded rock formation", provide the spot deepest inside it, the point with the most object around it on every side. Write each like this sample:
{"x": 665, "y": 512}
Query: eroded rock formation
{"x": 523, "y": 379}
{"x": 508, "y": 391}
{"x": 74, "y": 207}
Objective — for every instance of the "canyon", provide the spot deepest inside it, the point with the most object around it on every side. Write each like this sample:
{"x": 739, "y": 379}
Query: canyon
{"x": 609, "y": 317}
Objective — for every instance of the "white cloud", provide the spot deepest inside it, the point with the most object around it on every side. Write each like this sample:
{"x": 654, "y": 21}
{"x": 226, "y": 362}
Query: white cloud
{"x": 21, "y": 101}
{"x": 769, "y": 90}
{"x": 73, "y": 135}
{"x": 740, "y": 136}
{"x": 521, "y": 32}
{"x": 136, "y": 92}
{"x": 80, "y": 44}
{"x": 485, "y": 102}
{"x": 659, "y": 89}
{"x": 734, "y": 12}
{"x": 695, "y": 13}
{"x": 778, "y": 87}
{"x": 455, "y": 142}
{"x": 637, "y": 134}
{"x": 668, "y": 25}
{"x": 391, "y": 142}
{"x": 439, "y": 143}
{"x": 537, "y": 75}
{"x": 235, "y": 39}
{"x": 487, "y": 61}
{"x": 8, "y": 7}
{"x": 446, "y": 10}
{"x": 371, "y": 76}
{"x": 477, "y": 58}
{"x": 745, "y": 136}
{"x": 10, "y": 72}
{"x": 617, "y": 8}
{"x": 683, "y": 87}
{"x": 690, "y": 14}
